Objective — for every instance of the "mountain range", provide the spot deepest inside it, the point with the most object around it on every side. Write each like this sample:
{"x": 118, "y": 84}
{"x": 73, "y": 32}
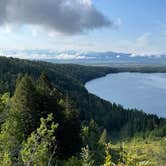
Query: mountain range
{"x": 81, "y": 57}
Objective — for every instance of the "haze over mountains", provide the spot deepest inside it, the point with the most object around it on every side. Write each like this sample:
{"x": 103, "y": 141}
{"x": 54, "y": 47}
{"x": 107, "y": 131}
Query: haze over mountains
{"x": 72, "y": 56}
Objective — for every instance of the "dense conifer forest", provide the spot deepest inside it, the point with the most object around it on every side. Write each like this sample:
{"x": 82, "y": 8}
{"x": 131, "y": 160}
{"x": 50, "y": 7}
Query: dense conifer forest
{"x": 48, "y": 118}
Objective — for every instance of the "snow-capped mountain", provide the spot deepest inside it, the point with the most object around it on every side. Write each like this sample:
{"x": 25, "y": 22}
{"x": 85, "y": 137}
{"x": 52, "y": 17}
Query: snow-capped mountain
{"x": 72, "y": 56}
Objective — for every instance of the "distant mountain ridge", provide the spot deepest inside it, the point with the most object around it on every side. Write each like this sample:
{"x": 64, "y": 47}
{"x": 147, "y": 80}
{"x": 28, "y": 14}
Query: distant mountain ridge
{"x": 72, "y": 56}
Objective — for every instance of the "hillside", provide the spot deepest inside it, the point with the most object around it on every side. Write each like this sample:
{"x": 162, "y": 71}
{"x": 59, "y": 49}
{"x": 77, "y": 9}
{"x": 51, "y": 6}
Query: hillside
{"x": 70, "y": 80}
{"x": 49, "y": 118}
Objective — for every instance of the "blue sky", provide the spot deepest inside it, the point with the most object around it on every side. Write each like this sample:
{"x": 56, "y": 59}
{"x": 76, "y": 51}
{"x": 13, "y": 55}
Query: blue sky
{"x": 137, "y": 27}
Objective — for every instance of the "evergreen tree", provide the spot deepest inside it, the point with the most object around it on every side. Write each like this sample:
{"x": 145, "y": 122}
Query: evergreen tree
{"x": 24, "y": 101}
{"x": 4, "y": 87}
{"x": 68, "y": 133}
{"x": 4, "y": 106}
{"x": 91, "y": 136}
{"x": 44, "y": 84}
{"x": 48, "y": 98}
{"x": 45, "y": 87}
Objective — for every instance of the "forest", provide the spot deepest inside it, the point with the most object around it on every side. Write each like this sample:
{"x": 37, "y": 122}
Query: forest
{"x": 48, "y": 118}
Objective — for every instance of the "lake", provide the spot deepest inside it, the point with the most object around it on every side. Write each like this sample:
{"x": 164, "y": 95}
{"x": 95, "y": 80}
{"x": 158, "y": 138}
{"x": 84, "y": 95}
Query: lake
{"x": 143, "y": 91}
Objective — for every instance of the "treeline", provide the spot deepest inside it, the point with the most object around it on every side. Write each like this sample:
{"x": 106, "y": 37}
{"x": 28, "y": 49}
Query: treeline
{"x": 69, "y": 80}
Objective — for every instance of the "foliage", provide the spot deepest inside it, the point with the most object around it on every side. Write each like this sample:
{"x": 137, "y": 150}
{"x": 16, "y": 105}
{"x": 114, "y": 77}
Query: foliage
{"x": 11, "y": 137}
{"x": 25, "y": 102}
{"x": 91, "y": 136}
{"x": 36, "y": 150}
{"x": 73, "y": 161}
{"x": 86, "y": 157}
{"x": 4, "y": 106}
{"x": 108, "y": 160}
{"x": 161, "y": 157}
{"x": 103, "y": 138}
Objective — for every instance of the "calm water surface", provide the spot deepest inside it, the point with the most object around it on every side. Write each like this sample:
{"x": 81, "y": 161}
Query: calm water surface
{"x": 145, "y": 92}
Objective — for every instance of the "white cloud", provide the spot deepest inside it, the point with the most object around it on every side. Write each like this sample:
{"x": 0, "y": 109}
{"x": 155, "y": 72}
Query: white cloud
{"x": 143, "y": 40}
{"x": 143, "y": 45}
{"x": 86, "y": 2}
{"x": 118, "y": 23}
{"x": 44, "y": 54}
{"x": 63, "y": 16}
{"x": 6, "y": 29}
{"x": 65, "y": 56}
{"x": 34, "y": 32}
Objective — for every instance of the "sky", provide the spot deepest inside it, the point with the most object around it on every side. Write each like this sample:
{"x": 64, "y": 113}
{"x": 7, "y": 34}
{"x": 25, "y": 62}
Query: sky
{"x": 129, "y": 26}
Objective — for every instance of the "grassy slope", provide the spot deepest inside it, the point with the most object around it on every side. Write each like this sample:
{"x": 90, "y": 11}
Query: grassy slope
{"x": 150, "y": 150}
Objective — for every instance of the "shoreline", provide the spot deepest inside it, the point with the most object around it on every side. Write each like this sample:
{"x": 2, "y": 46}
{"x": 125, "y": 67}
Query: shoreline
{"x": 146, "y": 108}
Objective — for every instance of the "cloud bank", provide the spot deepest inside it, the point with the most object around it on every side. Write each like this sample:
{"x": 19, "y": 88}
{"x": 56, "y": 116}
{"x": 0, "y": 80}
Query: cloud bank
{"x": 68, "y": 55}
{"x": 63, "y": 16}
{"x": 45, "y": 54}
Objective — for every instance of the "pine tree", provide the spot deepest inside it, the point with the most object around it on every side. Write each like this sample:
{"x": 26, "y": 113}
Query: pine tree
{"x": 68, "y": 132}
{"x": 25, "y": 102}
{"x": 4, "y": 106}
{"x": 45, "y": 87}
{"x": 44, "y": 84}
{"x": 91, "y": 136}
{"x": 48, "y": 98}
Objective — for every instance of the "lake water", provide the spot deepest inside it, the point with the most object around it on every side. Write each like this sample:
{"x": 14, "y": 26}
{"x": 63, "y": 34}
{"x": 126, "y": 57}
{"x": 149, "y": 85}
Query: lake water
{"x": 145, "y": 92}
